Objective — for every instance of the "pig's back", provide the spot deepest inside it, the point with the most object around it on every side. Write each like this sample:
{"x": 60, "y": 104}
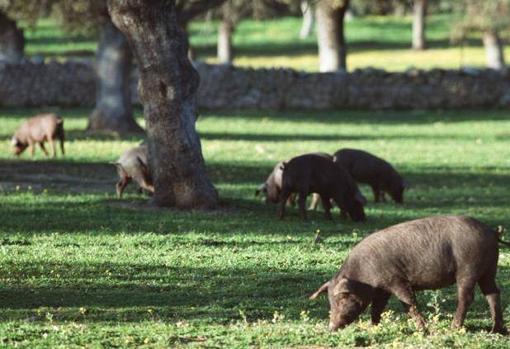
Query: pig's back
{"x": 363, "y": 166}
{"x": 129, "y": 159}
{"x": 429, "y": 253}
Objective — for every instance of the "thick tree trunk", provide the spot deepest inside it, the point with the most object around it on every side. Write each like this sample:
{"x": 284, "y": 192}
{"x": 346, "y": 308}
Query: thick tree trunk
{"x": 225, "y": 52}
{"x": 330, "y": 35}
{"x": 308, "y": 19}
{"x": 168, "y": 87}
{"x": 419, "y": 24}
{"x": 113, "y": 111}
{"x": 494, "y": 50}
{"x": 12, "y": 41}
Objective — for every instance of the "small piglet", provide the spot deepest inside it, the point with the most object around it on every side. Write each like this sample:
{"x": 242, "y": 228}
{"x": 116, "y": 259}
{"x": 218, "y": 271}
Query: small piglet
{"x": 376, "y": 172}
{"x": 133, "y": 165}
{"x": 311, "y": 173}
{"x": 37, "y": 130}
{"x": 428, "y": 253}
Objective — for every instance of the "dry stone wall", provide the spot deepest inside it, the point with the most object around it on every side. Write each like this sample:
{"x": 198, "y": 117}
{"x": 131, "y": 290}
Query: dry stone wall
{"x": 226, "y": 87}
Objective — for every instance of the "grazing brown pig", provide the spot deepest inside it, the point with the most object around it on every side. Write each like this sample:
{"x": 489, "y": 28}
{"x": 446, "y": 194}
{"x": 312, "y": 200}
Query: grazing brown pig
{"x": 133, "y": 165}
{"x": 428, "y": 253}
{"x": 311, "y": 173}
{"x": 271, "y": 188}
{"x": 376, "y": 172}
{"x": 37, "y": 130}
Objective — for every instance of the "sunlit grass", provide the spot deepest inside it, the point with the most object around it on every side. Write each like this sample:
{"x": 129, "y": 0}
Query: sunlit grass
{"x": 379, "y": 42}
{"x": 80, "y": 268}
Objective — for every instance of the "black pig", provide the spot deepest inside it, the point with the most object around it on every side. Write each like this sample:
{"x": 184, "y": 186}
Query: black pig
{"x": 272, "y": 187}
{"x": 374, "y": 171}
{"x": 428, "y": 253}
{"x": 311, "y": 173}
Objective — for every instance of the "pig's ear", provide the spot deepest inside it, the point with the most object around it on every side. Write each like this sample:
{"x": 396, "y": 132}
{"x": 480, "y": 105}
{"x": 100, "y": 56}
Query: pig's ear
{"x": 321, "y": 289}
{"x": 360, "y": 198}
{"x": 343, "y": 286}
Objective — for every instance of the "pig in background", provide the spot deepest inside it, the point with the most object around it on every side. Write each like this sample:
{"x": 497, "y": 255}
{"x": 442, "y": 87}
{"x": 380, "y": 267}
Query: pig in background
{"x": 374, "y": 171}
{"x": 38, "y": 130}
{"x": 272, "y": 187}
{"x": 428, "y": 253}
{"x": 133, "y": 165}
{"x": 311, "y": 173}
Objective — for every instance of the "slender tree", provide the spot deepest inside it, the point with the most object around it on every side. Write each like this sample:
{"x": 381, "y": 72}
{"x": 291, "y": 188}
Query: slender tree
{"x": 168, "y": 87}
{"x": 419, "y": 24}
{"x": 330, "y": 34}
{"x": 307, "y": 10}
{"x": 490, "y": 19}
{"x": 113, "y": 111}
{"x": 12, "y": 42}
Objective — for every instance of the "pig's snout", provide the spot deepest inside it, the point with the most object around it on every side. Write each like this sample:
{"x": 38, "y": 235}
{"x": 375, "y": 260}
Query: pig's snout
{"x": 334, "y": 327}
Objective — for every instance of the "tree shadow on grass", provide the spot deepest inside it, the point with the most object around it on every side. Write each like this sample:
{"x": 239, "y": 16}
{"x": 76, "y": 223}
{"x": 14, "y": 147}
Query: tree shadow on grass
{"x": 96, "y": 292}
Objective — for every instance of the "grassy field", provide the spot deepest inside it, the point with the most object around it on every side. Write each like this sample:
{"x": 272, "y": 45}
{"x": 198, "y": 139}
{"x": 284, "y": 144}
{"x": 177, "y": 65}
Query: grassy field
{"x": 381, "y": 42}
{"x": 80, "y": 268}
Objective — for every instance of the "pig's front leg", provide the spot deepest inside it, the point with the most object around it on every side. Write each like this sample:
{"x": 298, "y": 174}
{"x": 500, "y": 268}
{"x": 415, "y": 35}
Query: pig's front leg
{"x": 406, "y": 296}
{"x": 53, "y": 148}
{"x": 31, "y": 148}
{"x": 284, "y": 195}
{"x": 379, "y": 301}
{"x": 326, "y": 204}
{"x": 44, "y": 149}
{"x": 302, "y": 204}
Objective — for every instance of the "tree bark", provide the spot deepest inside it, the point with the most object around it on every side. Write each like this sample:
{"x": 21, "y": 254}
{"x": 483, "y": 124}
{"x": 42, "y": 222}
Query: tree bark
{"x": 225, "y": 52}
{"x": 113, "y": 111}
{"x": 308, "y": 19}
{"x": 12, "y": 41}
{"x": 494, "y": 50}
{"x": 419, "y": 24}
{"x": 330, "y": 35}
{"x": 168, "y": 87}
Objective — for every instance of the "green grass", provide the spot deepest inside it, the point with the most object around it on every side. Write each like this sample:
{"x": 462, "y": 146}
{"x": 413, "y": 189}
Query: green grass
{"x": 80, "y": 268}
{"x": 381, "y": 42}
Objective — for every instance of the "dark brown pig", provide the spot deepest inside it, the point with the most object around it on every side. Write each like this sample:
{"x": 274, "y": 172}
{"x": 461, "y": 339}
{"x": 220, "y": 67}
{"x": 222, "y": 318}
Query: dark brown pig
{"x": 271, "y": 188}
{"x": 311, "y": 173}
{"x": 376, "y": 172}
{"x": 133, "y": 165}
{"x": 428, "y": 253}
{"x": 37, "y": 130}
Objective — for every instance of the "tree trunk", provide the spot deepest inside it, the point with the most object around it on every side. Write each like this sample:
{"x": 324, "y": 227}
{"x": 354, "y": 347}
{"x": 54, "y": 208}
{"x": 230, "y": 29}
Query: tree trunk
{"x": 225, "y": 53}
{"x": 113, "y": 111}
{"x": 12, "y": 42}
{"x": 308, "y": 16}
{"x": 494, "y": 50}
{"x": 330, "y": 35}
{"x": 419, "y": 24}
{"x": 168, "y": 87}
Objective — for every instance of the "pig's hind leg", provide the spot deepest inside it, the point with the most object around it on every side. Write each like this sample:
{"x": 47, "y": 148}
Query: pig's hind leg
{"x": 491, "y": 292}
